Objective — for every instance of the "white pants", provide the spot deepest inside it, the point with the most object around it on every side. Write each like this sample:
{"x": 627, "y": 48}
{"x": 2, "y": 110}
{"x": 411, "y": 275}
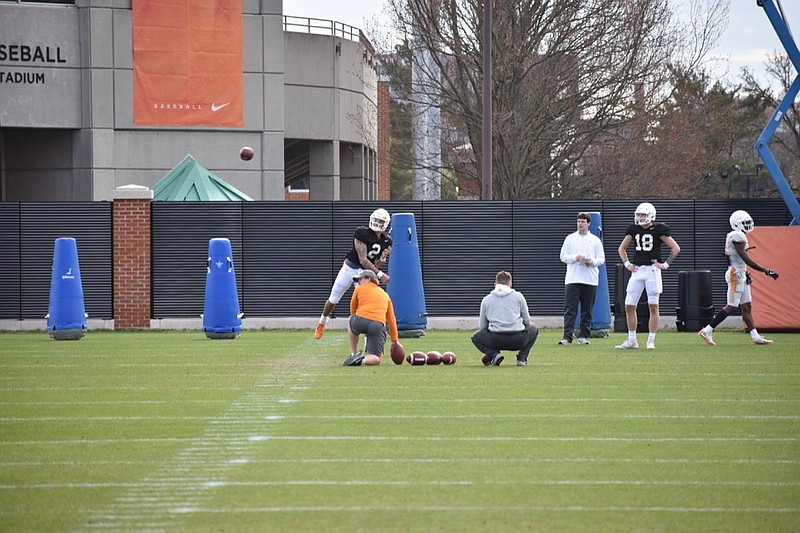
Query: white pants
{"x": 646, "y": 277}
{"x": 344, "y": 279}
{"x": 738, "y": 288}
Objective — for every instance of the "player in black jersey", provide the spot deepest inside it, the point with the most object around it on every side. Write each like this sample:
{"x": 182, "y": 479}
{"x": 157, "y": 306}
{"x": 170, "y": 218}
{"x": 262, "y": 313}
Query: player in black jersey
{"x": 371, "y": 248}
{"x": 645, "y": 266}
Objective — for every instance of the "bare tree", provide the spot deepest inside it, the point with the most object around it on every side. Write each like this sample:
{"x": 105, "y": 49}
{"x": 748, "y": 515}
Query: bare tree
{"x": 572, "y": 80}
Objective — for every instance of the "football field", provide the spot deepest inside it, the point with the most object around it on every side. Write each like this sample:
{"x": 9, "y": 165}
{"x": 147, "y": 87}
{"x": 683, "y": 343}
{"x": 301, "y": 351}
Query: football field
{"x": 171, "y": 431}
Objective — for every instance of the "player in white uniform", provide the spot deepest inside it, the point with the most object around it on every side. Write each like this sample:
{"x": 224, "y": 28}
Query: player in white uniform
{"x": 738, "y": 279}
{"x": 371, "y": 248}
{"x": 645, "y": 266}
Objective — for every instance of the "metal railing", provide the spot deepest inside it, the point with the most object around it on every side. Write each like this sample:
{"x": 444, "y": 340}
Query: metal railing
{"x": 321, "y": 27}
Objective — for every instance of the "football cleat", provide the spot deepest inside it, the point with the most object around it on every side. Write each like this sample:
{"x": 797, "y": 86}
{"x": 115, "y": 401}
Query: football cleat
{"x": 565, "y": 342}
{"x": 496, "y": 360}
{"x": 355, "y": 359}
{"x": 706, "y": 337}
{"x": 651, "y": 345}
{"x": 583, "y": 340}
{"x": 320, "y": 331}
{"x": 761, "y": 340}
{"x": 628, "y": 345}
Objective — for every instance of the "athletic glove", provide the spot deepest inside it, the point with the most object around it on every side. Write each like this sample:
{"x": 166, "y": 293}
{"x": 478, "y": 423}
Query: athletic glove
{"x": 772, "y": 274}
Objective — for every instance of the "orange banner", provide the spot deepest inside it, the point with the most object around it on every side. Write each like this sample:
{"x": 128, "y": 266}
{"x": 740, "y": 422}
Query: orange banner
{"x": 187, "y": 63}
{"x": 775, "y": 303}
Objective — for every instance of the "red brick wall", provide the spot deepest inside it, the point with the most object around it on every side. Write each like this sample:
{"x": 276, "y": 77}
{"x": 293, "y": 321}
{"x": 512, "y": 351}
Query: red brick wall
{"x": 295, "y": 196}
{"x": 384, "y": 132}
{"x": 131, "y": 264}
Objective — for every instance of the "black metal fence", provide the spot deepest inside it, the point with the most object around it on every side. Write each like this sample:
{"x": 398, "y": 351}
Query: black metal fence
{"x": 286, "y": 254}
{"x": 28, "y": 231}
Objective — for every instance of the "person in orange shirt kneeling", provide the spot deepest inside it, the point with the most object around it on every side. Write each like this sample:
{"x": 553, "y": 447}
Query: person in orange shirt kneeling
{"x": 371, "y": 312}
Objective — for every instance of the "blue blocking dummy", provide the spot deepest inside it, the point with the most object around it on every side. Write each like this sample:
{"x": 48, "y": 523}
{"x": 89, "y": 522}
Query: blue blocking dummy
{"x": 405, "y": 285}
{"x": 66, "y": 313}
{"x": 601, "y": 312}
{"x": 221, "y": 316}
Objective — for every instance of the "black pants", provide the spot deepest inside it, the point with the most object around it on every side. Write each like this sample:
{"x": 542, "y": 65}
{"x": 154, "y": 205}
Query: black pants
{"x": 575, "y": 293}
{"x": 491, "y": 343}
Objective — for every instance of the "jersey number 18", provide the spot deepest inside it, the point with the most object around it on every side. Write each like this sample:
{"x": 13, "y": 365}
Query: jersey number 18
{"x": 644, "y": 242}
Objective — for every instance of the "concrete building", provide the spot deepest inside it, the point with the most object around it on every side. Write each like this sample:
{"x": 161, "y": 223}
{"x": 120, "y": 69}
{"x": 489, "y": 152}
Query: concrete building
{"x": 67, "y": 119}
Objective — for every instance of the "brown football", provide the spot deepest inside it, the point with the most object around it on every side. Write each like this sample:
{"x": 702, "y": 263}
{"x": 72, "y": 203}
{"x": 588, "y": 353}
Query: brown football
{"x": 448, "y": 358}
{"x": 398, "y": 353}
{"x": 246, "y": 153}
{"x": 434, "y": 357}
{"x": 417, "y": 358}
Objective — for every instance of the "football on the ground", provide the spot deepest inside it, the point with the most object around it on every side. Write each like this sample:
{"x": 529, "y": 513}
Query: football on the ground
{"x": 417, "y": 358}
{"x": 246, "y": 153}
{"x": 448, "y": 358}
{"x": 398, "y": 353}
{"x": 434, "y": 357}
{"x": 486, "y": 359}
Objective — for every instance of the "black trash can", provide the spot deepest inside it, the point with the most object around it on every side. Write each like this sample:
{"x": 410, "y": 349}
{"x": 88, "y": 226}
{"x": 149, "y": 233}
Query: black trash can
{"x": 621, "y": 277}
{"x": 695, "y": 300}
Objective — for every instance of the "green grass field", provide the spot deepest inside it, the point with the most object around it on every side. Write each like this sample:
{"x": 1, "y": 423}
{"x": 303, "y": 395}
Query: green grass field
{"x": 170, "y": 431}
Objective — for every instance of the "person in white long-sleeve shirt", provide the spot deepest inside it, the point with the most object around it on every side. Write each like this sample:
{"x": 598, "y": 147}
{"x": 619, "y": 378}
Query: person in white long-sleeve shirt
{"x": 583, "y": 254}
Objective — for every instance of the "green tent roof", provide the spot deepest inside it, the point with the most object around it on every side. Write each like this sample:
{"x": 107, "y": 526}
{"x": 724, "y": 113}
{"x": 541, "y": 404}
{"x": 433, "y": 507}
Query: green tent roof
{"x": 190, "y": 181}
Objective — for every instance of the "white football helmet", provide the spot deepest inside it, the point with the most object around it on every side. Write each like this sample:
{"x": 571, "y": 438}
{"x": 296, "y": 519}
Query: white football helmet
{"x": 379, "y": 220}
{"x": 742, "y": 221}
{"x": 648, "y": 210}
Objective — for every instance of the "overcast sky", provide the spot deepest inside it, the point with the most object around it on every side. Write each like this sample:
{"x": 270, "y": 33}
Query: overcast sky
{"x": 747, "y": 40}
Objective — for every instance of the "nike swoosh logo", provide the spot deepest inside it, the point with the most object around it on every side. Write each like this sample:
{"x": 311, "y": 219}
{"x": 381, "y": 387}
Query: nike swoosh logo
{"x": 215, "y": 107}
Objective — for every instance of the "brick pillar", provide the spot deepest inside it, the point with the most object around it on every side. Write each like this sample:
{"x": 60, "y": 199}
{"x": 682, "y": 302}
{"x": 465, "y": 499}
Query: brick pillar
{"x": 384, "y": 135}
{"x": 132, "y": 257}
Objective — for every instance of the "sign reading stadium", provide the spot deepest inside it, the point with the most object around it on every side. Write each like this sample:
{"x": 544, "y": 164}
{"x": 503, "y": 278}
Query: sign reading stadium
{"x": 23, "y": 53}
{"x": 22, "y": 77}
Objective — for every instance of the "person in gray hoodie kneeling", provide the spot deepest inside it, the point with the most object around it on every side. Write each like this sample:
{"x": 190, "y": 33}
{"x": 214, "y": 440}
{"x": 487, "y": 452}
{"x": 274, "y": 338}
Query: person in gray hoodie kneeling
{"x": 505, "y": 324}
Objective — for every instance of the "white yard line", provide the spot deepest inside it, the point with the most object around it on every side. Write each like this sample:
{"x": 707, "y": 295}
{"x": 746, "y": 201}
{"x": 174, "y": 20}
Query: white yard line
{"x": 213, "y": 420}
{"x": 220, "y": 440}
{"x": 542, "y": 400}
{"x": 434, "y": 460}
{"x": 483, "y": 508}
{"x": 156, "y": 502}
{"x": 402, "y": 483}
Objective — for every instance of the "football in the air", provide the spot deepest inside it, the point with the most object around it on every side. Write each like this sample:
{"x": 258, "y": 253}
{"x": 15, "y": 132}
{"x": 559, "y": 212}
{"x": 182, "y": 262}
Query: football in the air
{"x": 246, "y": 153}
{"x": 448, "y": 358}
{"x": 434, "y": 357}
{"x": 417, "y": 358}
{"x": 486, "y": 359}
{"x": 397, "y": 353}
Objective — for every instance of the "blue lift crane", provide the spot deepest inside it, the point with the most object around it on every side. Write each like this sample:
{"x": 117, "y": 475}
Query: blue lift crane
{"x": 775, "y": 14}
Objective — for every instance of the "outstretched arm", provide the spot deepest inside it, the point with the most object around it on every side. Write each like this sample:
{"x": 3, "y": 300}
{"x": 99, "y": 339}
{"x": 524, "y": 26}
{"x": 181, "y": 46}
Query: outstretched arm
{"x": 749, "y": 261}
